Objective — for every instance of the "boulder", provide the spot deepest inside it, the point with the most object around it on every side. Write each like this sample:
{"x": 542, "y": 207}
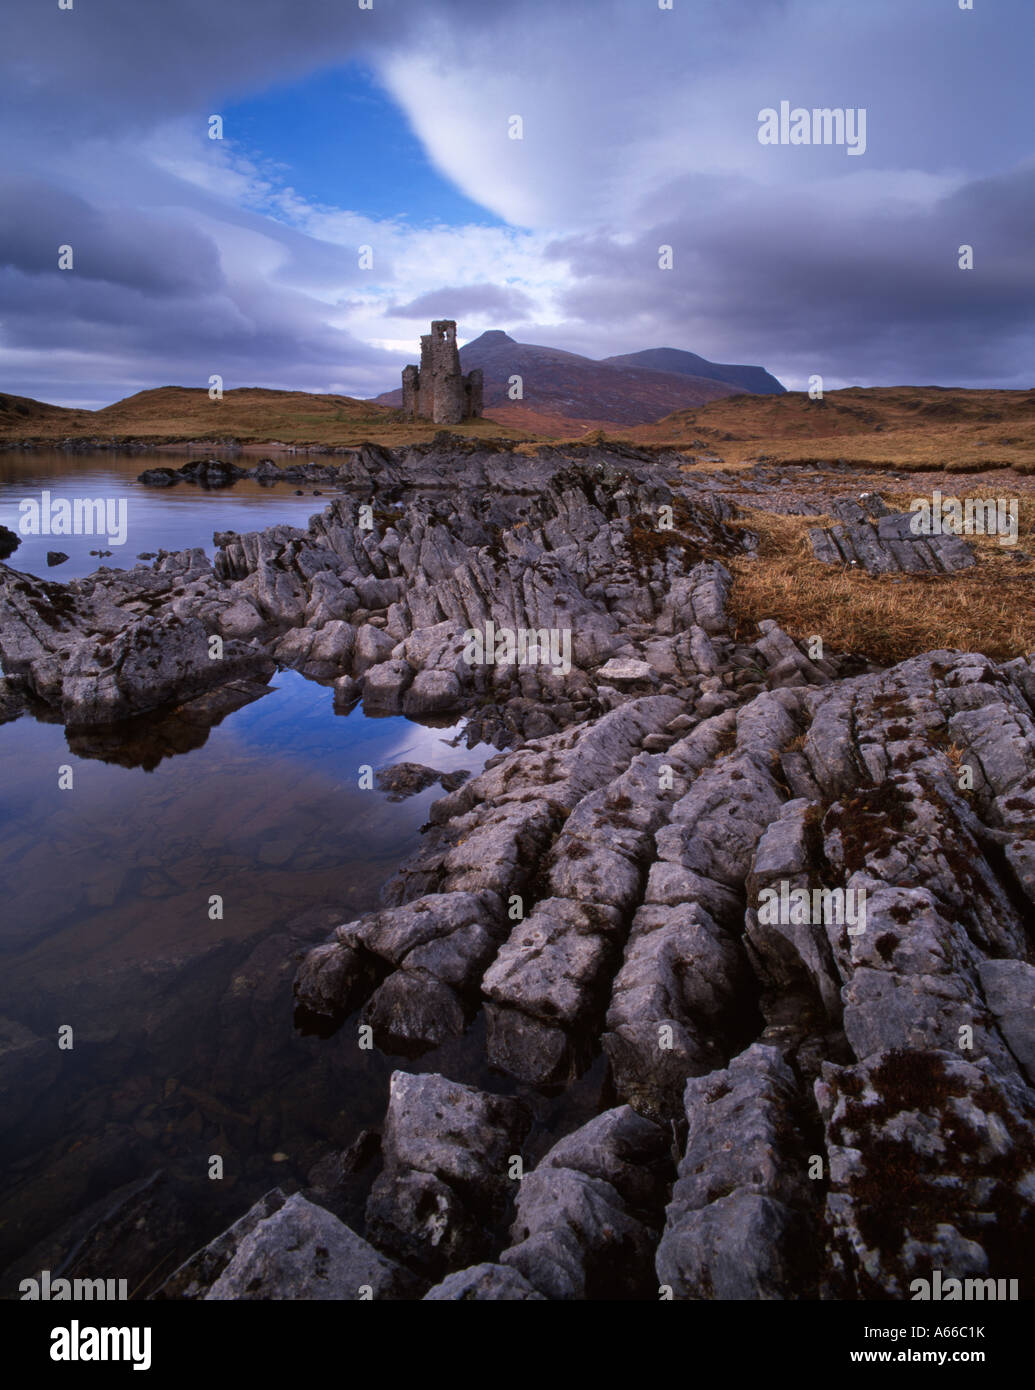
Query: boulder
{"x": 301, "y": 1251}
{"x": 383, "y": 687}
{"x": 447, "y": 1179}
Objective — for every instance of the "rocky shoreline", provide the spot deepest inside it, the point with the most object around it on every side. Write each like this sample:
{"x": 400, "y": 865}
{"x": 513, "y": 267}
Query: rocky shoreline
{"x": 793, "y": 1108}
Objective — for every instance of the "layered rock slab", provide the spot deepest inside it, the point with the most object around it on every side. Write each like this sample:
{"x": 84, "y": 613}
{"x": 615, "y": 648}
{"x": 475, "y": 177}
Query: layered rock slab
{"x": 739, "y": 1223}
{"x": 446, "y": 1183}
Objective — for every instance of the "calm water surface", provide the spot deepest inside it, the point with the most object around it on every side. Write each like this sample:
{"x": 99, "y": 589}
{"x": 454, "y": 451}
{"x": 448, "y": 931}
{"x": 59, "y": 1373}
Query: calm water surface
{"x": 158, "y": 518}
{"x": 183, "y": 1042}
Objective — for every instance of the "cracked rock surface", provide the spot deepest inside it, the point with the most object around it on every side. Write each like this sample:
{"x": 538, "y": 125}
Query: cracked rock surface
{"x": 884, "y": 542}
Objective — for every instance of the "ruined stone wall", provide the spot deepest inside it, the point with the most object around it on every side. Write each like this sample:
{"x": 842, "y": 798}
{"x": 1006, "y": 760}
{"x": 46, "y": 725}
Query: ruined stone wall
{"x": 411, "y": 387}
{"x": 447, "y": 397}
{"x": 437, "y": 390}
{"x": 473, "y": 394}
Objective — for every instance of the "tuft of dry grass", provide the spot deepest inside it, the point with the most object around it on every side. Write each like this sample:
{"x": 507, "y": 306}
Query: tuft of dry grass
{"x": 886, "y": 618}
{"x": 955, "y": 753}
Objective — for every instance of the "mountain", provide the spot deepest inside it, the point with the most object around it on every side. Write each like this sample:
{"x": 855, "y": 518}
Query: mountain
{"x": 755, "y": 380}
{"x": 566, "y": 385}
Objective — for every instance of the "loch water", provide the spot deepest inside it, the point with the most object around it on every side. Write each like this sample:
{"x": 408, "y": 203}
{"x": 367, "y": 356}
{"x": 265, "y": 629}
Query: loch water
{"x": 184, "y": 1047}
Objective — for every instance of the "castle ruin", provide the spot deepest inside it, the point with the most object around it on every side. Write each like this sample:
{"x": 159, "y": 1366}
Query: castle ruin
{"x": 437, "y": 390}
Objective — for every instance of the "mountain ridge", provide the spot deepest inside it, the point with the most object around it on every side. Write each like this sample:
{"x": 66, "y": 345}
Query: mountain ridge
{"x": 623, "y": 390}
{"x": 757, "y": 381}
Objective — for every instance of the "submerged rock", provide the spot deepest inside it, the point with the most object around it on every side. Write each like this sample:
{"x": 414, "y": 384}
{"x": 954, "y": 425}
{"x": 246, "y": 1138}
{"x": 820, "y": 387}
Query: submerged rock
{"x": 403, "y": 780}
{"x": 12, "y": 699}
{"x": 159, "y": 477}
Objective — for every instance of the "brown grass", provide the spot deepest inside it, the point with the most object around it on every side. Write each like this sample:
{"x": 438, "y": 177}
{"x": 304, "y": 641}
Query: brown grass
{"x": 901, "y": 427}
{"x": 249, "y": 415}
{"x": 879, "y": 428}
{"x": 989, "y": 609}
{"x": 955, "y": 753}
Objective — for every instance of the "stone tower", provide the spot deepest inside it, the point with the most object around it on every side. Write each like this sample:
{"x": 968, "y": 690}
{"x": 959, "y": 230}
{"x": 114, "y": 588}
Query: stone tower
{"x": 437, "y": 390}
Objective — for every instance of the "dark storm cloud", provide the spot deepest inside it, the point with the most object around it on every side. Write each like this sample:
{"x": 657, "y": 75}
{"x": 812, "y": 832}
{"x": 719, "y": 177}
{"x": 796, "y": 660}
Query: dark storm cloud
{"x": 503, "y": 300}
{"x": 641, "y": 131}
{"x": 207, "y": 333}
{"x": 121, "y": 247}
{"x": 120, "y": 61}
{"x": 120, "y": 65}
{"x": 153, "y": 287}
{"x": 809, "y": 284}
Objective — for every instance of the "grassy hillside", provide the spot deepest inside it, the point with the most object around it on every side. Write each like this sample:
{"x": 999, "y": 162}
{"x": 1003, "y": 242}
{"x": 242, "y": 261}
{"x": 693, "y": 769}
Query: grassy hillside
{"x": 891, "y": 426}
{"x": 250, "y": 415}
{"x": 21, "y": 414}
{"x": 898, "y": 427}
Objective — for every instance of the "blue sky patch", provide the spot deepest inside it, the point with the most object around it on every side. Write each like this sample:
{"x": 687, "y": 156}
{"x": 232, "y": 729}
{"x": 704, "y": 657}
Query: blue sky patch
{"x": 341, "y": 141}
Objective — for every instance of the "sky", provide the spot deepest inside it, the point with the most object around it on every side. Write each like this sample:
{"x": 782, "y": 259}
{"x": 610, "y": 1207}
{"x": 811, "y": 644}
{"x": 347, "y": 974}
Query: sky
{"x": 368, "y": 180}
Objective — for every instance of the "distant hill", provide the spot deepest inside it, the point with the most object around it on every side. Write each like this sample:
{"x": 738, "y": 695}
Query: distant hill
{"x": 887, "y": 426}
{"x": 249, "y": 407}
{"x": 22, "y": 412}
{"x": 755, "y": 380}
{"x": 898, "y": 427}
{"x": 248, "y": 415}
{"x": 564, "y": 385}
